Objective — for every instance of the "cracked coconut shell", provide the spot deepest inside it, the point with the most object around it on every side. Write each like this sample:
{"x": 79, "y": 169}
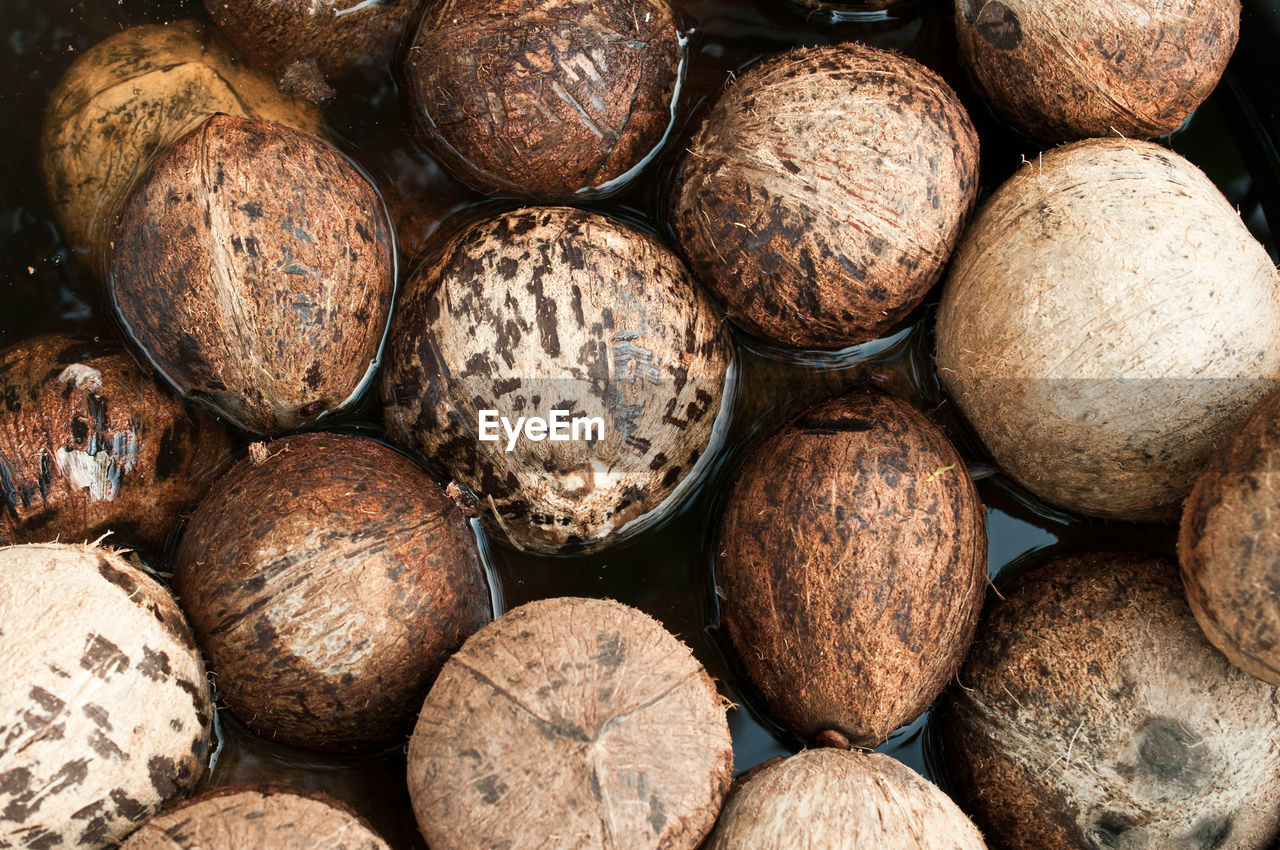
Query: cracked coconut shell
{"x": 326, "y": 585}
{"x": 254, "y": 266}
{"x": 573, "y": 723}
{"x": 825, "y": 191}
{"x": 1092, "y": 712}
{"x": 850, "y": 567}
{"x": 105, "y": 711}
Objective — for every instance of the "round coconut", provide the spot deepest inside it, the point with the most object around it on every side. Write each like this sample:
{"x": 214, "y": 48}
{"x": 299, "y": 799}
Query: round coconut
{"x": 129, "y": 97}
{"x": 1107, "y": 319}
{"x": 825, "y": 191}
{"x": 327, "y": 583}
{"x": 1060, "y": 70}
{"x": 543, "y": 98}
{"x": 570, "y": 723}
{"x": 555, "y": 312}
{"x": 851, "y": 566}
{"x": 105, "y": 711}
{"x": 831, "y": 799}
{"x": 90, "y": 443}
{"x": 1092, "y": 712}
{"x": 255, "y": 267}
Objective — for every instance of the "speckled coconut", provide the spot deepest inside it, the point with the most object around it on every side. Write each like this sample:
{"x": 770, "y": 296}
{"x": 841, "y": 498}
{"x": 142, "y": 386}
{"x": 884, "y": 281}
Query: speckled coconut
{"x": 91, "y": 443}
{"x": 825, "y": 191}
{"x": 128, "y": 97}
{"x": 1092, "y": 712}
{"x": 558, "y": 309}
{"x": 543, "y": 98}
{"x": 254, "y": 266}
{"x": 105, "y": 711}
{"x": 1061, "y": 70}
{"x": 570, "y": 723}
{"x": 327, "y": 583}
{"x": 851, "y": 566}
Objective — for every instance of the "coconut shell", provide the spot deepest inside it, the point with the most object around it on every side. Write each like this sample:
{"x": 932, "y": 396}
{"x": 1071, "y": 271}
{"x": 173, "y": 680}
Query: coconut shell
{"x": 1061, "y": 70}
{"x": 327, "y": 583}
{"x": 558, "y": 309}
{"x": 1107, "y": 320}
{"x": 254, "y": 266}
{"x": 850, "y": 567}
{"x": 127, "y": 98}
{"x": 90, "y": 443}
{"x": 825, "y": 191}
{"x": 570, "y": 723}
{"x": 829, "y": 799}
{"x": 543, "y": 98}
{"x": 1092, "y": 712}
{"x": 105, "y": 711}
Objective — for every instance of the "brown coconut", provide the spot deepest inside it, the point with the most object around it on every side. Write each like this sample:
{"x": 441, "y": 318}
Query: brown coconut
{"x": 851, "y": 566}
{"x": 543, "y": 98}
{"x": 570, "y": 723}
{"x": 105, "y": 710}
{"x": 254, "y": 266}
{"x": 90, "y": 443}
{"x": 1061, "y": 70}
{"x": 1092, "y": 712}
{"x": 326, "y": 584}
{"x": 1107, "y": 319}
{"x": 831, "y": 799}
{"x": 825, "y": 192}
{"x": 558, "y": 309}
{"x": 126, "y": 99}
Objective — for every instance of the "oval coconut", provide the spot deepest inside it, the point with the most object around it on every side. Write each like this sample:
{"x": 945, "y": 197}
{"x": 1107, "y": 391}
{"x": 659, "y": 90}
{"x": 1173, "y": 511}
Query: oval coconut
{"x": 556, "y": 309}
{"x": 90, "y": 443}
{"x": 254, "y": 265}
{"x": 326, "y": 584}
{"x": 105, "y": 711}
{"x": 573, "y": 723}
{"x": 1092, "y": 712}
{"x": 1107, "y": 320}
{"x": 825, "y": 191}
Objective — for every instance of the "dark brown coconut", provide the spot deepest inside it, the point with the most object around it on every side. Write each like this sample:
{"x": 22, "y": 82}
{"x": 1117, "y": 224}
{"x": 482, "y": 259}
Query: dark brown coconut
{"x": 851, "y": 564}
{"x": 543, "y": 98}
{"x": 825, "y": 192}
{"x": 1092, "y": 712}
{"x": 90, "y": 443}
{"x": 105, "y": 711}
{"x": 327, "y": 584}
{"x": 1061, "y": 70}
{"x": 570, "y": 723}
{"x": 254, "y": 266}
{"x": 558, "y": 309}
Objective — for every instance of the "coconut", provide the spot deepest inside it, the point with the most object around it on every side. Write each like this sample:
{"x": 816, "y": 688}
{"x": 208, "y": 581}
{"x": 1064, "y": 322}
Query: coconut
{"x": 841, "y": 800}
{"x": 570, "y": 723}
{"x": 105, "y": 711}
{"x": 254, "y": 266}
{"x": 90, "y": 443}
{"x": 1061, "y": 70}
{"x": 543, "y": 310}
{"x": 825, "y": 191}
{"x": 327, "y": 583}
{"x": 1107, "y": 319}
{"x": 1093, "y": 713}
{"x": 851, "y": 566}
{"x": 127, "y": 98}
{"x": 543, "y": 98}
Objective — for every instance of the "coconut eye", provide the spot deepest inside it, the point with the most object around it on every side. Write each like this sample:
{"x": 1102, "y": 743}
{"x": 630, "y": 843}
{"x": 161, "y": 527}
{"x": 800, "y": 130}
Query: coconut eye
{"x": 315, "y": 408}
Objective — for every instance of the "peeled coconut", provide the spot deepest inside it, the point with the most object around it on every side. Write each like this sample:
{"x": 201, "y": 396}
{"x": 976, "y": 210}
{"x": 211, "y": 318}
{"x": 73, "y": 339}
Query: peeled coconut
{"x": 570, "y": 723}
{"x": 1092, "y": 712}
{"x": 105, "y": 711}
{"x": 1107, "y": 320}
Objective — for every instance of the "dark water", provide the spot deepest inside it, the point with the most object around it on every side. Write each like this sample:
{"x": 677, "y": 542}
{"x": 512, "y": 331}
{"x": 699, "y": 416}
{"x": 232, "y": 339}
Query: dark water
{"x": 666, "y": 571}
